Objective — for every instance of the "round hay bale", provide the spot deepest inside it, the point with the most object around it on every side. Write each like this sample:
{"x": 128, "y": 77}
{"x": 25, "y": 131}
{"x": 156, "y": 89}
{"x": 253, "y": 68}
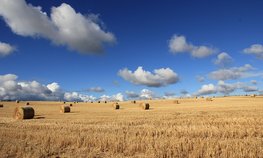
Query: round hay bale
{"x": 176, "y": 101}
{"x": 64, "y": 109}
{"x": 17, "y": 101}
{"x": 209, "y": 99}
{"x": 24, "y": 113}
{"x": 98, "y": 101}
{"x": 64, "y": 102}
{"x": 105, "y": 102}
{"x": 145, "y": 106}
{"x": 70, "y": 104}
{"x": 116, "y": 106}
{"x": 91, "y": 102}
{"x": 1, "y": 105}
{"x": 27, "y": 103}
{"x": 134, "y": 101}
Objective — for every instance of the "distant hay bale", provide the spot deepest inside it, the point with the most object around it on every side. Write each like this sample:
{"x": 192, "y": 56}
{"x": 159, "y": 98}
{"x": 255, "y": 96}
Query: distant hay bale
{"x": 105, "y": 102}
{"x": 27, "y": 103}
{"x": 116, "y": 106}
{"x": 145, "y": 106}
{"x": 176, "y": 101}
{"x": 253, "y": 95}
{"x": 64, "y": 102}
{"x": 70, "y": 104}
{"x": 17, "y": 101}
{"x": 1, "y": 105}
{"x": 74, "y": 102}
{"x": 209, "y": 99}
{"x": 91, "y": 102}
{"x": 134, "y": 101}
{"x": 24, "y": 113}
{"x": 98, "y": 101}
{"x": 64, "y": 109}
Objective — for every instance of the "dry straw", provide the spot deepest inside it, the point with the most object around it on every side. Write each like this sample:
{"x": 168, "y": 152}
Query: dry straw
{"x": 24, "y": 113}
{"x": 64, "y": 109}
{"x": 145, "y": 106}
{"x": 116, "y": 106}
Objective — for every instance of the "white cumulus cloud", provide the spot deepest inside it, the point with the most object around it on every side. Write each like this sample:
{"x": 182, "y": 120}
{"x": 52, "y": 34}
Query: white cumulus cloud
{"x": 232, "y": 73}
{"x": 179, "y": 44}
{"x": 115, "y": 97}
{"x": 160, "y": 77}
{"x": 75, "y": 96}
{"x": 96, "y": 89}
{"x": 132, "y": 94}
{"x": 65, "y": 26}
{"x": 6, "y": 49}
{"x": 223, "y": 59}
{"x": 12, "y": 89}
{"x": 255, "y": 49}
{"x": 207, "y": 89}
{"x": 225, "y": 88}
{"x": 147, "y": 94}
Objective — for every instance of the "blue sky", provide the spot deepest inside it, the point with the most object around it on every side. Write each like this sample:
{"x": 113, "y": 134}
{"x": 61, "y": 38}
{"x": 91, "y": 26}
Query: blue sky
{"x": 165, "y": 35}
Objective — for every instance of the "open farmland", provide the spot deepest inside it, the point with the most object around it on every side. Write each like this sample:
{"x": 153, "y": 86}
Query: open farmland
{"x": 224, "y": 127}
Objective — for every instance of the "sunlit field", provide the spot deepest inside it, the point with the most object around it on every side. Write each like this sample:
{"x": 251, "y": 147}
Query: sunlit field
{"x": 224, "y": 127}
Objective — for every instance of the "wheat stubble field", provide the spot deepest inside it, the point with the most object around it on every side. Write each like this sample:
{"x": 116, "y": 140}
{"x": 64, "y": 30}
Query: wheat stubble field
{"x": 224, "y": 127}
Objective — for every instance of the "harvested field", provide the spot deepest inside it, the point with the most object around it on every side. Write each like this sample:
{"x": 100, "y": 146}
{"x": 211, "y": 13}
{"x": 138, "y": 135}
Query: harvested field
{"x": 225, "y": 127}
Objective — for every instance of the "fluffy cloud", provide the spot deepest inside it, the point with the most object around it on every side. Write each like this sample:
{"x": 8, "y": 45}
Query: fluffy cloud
{"x": 96, "y": 89}
{"x": 6, "y": 49}
{"x": 184, "y": 92}
{"x": 131, "y": 94}
{"x": 64, "y": 26}
{"x": 74, "y": 96}
{"x": 169, "y": 94}
{"x": 223, "y": 59}
{"x": 116, "y": 97}
{"x": 207, "y": 89}
{"x": 12, "y": 89}
{"x": 225, "y": 88}
{"x": 54, "y": 87}
{"x": 147, "y": 94}
{"x": 178, "y": 44}
{"x": 250, "y": 89}
{"x": 200, "y": 78}
{"x": 255, "y": 49}
{"x": 160, "y": 77}
{"x": 143, "y": 94}
{"x": 254, "y": 82}
{"x": 232, "y": 73}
